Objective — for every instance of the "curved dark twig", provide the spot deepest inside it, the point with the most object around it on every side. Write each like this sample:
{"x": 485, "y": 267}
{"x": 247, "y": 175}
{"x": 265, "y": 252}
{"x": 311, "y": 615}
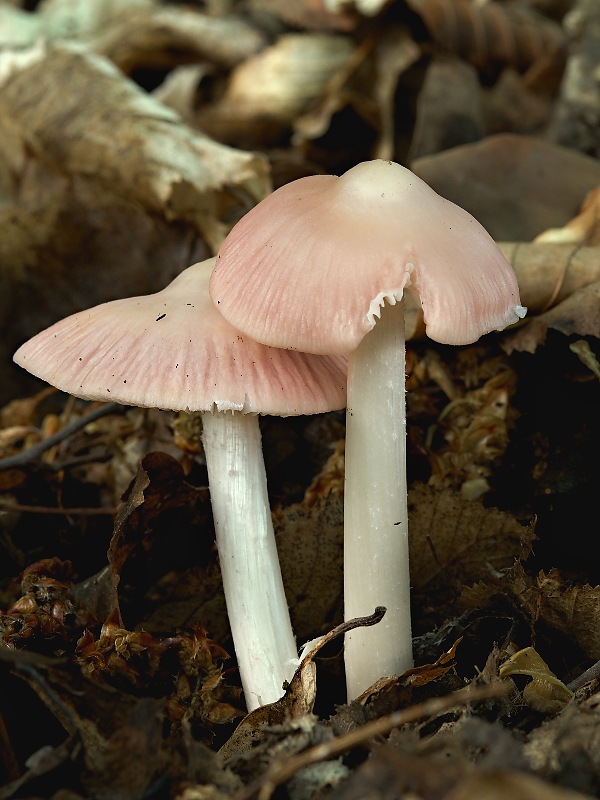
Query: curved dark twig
{"x": 32, "y": 454}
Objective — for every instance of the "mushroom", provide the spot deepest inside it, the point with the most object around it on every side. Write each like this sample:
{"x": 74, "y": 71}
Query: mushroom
{"x": 173, "y": 350}
{"x": 332, "y": 257}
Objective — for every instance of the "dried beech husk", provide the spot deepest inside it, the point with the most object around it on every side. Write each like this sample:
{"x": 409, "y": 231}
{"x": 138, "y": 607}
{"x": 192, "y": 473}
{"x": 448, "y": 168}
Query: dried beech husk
{"x": 268, "y": 91}
{"x": 491, "y": 34}
{"x": 545, "y": 692}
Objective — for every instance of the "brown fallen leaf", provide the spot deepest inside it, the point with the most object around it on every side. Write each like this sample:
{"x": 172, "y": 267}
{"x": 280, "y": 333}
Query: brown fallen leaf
{"x": 550, "y": 272}
{"x": 516, "y": 186}
{"x": 454, "y": 542}
{"x": 578, "y": 315}
{"x": 449, "y": 108}
{"x": 104, "y": 191}
{"x": 578, "y": 97}
{"x": 317, "y": 15}
{"x": 571, "y": 609}
{"x": 310, "y": 545}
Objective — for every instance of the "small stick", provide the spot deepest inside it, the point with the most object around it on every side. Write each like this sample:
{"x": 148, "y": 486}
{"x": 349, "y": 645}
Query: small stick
{"x": 33, "y": 453}
{"x": 81, "y": 512}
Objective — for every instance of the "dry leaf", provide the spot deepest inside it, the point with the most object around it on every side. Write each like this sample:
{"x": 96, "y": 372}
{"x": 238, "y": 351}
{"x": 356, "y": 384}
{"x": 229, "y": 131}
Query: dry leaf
{"x": 267, "y": 92}
{"x": 449, "y": 108}
{"x": 515, "y": 186}
{"x": 578, "y": 315}
{"x": 456, "y": 542}
{"x": 319, "y": 15}
{"x": 310, "y": 545}
{"x": 138, "y": 147}
{"x": 64, "y": 19}
{"x": 396, "y": 52}
{"x": 550, "y": 272}
{"x": 574, "y": 121}
{"x": 135, "y": 33}
{"x": 571, "y": 609}
{"x": 105, "y": 193}
{"x": 370, "y": 8}
{"x": 491, "y": 34}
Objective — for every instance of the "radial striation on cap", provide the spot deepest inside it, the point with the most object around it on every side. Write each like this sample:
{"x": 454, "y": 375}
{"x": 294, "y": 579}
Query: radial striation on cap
{"x": 311, "y": 265}
{"x": 173, "y": 350}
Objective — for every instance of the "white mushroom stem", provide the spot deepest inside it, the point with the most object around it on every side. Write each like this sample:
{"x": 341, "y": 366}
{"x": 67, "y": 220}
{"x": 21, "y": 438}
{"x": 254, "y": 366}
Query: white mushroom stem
{"x": 256, "y": 604}
{"x": 376, "y": 569}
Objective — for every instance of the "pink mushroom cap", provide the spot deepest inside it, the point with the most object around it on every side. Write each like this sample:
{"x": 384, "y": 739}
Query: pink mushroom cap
{"x": 310, "y": 266}
{"x": 173, "y": 350}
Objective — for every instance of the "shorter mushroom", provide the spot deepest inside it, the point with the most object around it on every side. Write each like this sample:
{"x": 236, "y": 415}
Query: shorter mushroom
{"x": 173, "y": 350}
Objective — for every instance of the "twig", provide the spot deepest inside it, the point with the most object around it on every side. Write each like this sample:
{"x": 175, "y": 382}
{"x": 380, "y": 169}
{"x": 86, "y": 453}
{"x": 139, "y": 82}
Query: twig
{"x": 79, "y": 512}
{"x": 33, "y": 453}
{"x": 279, "y": 773}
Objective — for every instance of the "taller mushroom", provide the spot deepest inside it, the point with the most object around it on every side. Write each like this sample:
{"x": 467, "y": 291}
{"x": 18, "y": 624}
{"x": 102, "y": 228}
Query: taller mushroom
{"x": 321, "y": 265}
{"x": 172, "y": 350}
